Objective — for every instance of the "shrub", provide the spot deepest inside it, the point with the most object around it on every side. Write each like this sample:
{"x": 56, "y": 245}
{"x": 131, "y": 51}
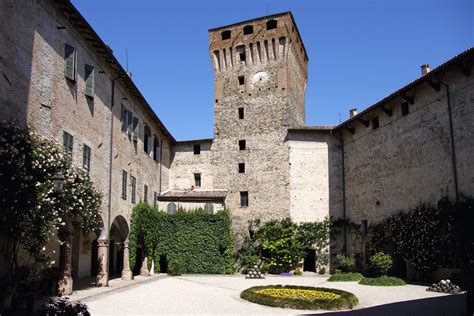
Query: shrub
{"x": 298, "y": 271}
{"x": 300, "y": 297}
{"x": 381, "y": 262}
{"x": 322, "y": 270}
{"x": 346, "y": 277}
{"x": 382, "y": 281}
{"x": 196, "y": 241}
{"x": 61, "y": 306}
{"x": 346, "y": 263}
{"x": 175, "y": 268}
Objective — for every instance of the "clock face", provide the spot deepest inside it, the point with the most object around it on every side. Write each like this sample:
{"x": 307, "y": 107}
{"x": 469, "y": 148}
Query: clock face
{"x": 259, "y": 78}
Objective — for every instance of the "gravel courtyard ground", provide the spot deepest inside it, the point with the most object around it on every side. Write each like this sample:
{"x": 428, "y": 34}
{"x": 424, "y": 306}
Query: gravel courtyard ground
{"x": 192, "y": 294}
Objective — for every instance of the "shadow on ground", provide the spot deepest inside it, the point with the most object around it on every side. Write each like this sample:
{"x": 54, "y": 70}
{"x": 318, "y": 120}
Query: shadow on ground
{"x": 452, "y": 305}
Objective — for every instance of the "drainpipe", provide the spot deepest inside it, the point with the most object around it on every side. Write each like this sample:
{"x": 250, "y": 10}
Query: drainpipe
{"x": 451, "y": 135}
{"x": 344, "y": 228}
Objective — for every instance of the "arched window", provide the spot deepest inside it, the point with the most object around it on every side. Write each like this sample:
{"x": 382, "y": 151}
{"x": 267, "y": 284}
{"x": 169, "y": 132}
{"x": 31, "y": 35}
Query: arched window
{"x": 171, "y": 208}
{"x": 225, "y": 35}
{"x": 209, "y": 208}
{"x": 272, "y": 24}
{"x": 248, "y": 29}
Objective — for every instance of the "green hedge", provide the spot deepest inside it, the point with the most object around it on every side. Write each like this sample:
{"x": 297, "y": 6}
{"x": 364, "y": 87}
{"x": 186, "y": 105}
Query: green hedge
{"x": 345, "y": 301}
{"x": 382, "y": 281}
{"x": 346, "y": 277}
{"x": 196, "y": 241}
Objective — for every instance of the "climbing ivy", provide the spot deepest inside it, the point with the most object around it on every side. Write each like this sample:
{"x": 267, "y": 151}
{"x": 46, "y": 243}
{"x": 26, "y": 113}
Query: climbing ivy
{"x": 195, "y": 241}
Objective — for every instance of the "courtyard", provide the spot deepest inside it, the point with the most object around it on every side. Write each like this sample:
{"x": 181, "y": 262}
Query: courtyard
{"x": 206, "y": 294}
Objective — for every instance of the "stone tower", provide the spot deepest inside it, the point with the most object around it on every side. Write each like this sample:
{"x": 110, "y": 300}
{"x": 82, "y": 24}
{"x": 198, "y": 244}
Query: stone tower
{"x": 260, "y": 70}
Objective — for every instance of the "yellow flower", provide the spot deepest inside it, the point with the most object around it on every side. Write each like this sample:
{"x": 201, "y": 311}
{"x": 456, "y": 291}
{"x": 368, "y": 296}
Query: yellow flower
{"x": 298, "y": 294}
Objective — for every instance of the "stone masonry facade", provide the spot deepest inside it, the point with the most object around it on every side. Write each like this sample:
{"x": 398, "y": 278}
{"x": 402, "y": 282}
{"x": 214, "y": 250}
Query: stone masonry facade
{"x": 415, "y": 146}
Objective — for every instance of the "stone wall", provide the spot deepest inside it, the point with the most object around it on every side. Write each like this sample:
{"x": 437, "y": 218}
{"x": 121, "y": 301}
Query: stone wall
{"x": 408, "y": 161}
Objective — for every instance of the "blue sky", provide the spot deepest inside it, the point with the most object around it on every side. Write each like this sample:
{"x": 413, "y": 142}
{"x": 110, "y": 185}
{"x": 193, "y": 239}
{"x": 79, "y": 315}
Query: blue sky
{"x": 359, "y": 51}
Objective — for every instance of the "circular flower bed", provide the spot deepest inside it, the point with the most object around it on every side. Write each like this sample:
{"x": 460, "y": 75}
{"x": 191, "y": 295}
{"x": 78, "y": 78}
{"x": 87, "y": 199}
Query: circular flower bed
{"x": 300, "y": 297}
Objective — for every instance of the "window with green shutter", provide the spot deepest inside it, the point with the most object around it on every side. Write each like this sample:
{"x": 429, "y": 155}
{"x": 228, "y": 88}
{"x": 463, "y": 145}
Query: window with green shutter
{"x": 68, "y": 143}
{"x": 145, "y": 194}
{"x": 70, "y": 54}
{"x": 89, "y": 76}
{"x": 133, "y": 184}
{"x": 86, "y": 157}
{"x": 135, "y": 129}
{"x": 129, "y": 124}
{"x": 124, "y": 184}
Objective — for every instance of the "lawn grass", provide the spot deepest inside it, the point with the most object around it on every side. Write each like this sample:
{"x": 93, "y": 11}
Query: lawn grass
{"x": 382, "y": 281}
{"x": 346, "y": 277}
{"x": 345, "y": 300}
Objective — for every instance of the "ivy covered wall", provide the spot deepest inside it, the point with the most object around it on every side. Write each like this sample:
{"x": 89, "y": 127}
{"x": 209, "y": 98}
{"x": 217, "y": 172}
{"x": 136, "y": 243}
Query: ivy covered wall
{"x": 196, "y": 241}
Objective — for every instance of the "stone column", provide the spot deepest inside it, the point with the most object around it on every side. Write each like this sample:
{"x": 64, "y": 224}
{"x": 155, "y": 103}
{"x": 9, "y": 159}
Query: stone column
{"x": 65, "y": 278}
{"x": 126, "y": 272}
{"x": 144, "y": 269}
{"x": 102, "y": 278}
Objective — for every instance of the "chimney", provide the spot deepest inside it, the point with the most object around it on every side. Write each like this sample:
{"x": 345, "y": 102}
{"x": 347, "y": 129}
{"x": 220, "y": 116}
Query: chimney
{"x": 352, "y": 113}
{"x": 425, "y": 69}
{"x": 129, "y": 74}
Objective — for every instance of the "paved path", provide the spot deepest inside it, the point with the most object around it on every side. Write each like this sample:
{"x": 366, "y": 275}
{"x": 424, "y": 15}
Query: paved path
{"x": 193, "y": 294}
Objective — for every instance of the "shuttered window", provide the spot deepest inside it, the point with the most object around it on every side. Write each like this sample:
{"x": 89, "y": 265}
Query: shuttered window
{"x": 135, "y": 129}
{"x": 124, "y": 184}
{"x": 145, "y": 194}
{"x": 70, "y": 54}
{"x": 86, "y": 157}
{"x": 155, "y": 200}
{"x": 244, "y": 199}
{"x": 133, "y": 184}
{"x": 129, "y": 124}
{"x": 123, "y": 117}
{"x": 89, "y": 75}
{"x": 68, "y": 143}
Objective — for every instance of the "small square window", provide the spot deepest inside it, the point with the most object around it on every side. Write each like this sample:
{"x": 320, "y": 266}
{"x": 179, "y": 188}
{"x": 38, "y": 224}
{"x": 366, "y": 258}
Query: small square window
{"x": 241, "y": 167}
{"x": 197, "y": 180}
{"x": 241, "y": 113}
{"x": 197, "y": 149}
{"x": 242, "y": 144}
{"x": 244, "y": 199}
{"x": 375, "y": 122}
{"x": 405, "y": 108}
{"x": 241, "y": 80}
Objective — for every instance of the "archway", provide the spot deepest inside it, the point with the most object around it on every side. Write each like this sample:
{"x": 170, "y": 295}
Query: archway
{"x": 118, "y": 249}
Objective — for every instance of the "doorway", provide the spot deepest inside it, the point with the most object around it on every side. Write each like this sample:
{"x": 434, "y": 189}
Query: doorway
{"x": 310, "y": 260}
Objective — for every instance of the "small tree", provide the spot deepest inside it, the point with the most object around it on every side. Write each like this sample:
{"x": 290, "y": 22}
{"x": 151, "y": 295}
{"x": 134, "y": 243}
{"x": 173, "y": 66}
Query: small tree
{"x": 381, "y": 262}
{"x": 346, "y": 263}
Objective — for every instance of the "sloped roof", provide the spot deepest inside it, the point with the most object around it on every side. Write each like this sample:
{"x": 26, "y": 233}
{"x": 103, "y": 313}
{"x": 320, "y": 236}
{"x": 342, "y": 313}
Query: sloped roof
{"x": 196, "y": 195}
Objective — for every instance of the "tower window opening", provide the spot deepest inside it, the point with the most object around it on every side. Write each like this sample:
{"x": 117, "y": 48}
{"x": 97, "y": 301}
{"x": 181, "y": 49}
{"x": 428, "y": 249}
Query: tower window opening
{"x": 405, "y": 108}
{"x": 225, "y": 35}
{"x": 272, "y": 24}
{"x": 242, "y": 144}
{"x": 241, "y": 113}
{"x": 248, "y": 29}
{"x": 244, "y": 199}
{"x": 241, "y": 52}
{"x": 241, "y": 167}
{"x": 241, "y": 80}
{"x": 197, "y": 149}
{"x": 375, "y": 122}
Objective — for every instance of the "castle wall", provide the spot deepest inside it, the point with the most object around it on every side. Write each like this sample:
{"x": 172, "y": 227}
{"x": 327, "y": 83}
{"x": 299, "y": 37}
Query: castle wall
{"x": 407, "y": 161}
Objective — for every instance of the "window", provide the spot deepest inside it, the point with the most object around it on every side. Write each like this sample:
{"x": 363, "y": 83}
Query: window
{"x": 171, "y": 208}
{"x": 70, "y": 56}
{"x": 146, "y": 140}
{"x": 272, "y": 24}
{"x": 156, "y": 149}
{"x": 145, "y": 194}
{"x": 363, "y": 227}
{"x": 248, "y": 29}
{"x": 197, "y": 180}
{"x": 124, "y": 184}
{"x": 244, "y": 199}
{"x": 241, "y": 113}
{"x": 209, "y": 208}
{"x": 155, "y": 200}
{"x": 241, "y": 52}
{"x": 405, "y": 108}
{"x": 89, "y": 77}
{"x": 197, "y": 149}
{"x": 241, "y": 167}
{"x": 375, "y": 122}
{"x": 225, "y": 35}
{"x": 242, "y": 144}
{"x": 133, "y": 184}
{"x": 126, "y": 119}
{"x": 135, "y": 127}
{"x": 86, "y": 157}
{"x": 241, "y": 80}
{"x": 68, "y": 143}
